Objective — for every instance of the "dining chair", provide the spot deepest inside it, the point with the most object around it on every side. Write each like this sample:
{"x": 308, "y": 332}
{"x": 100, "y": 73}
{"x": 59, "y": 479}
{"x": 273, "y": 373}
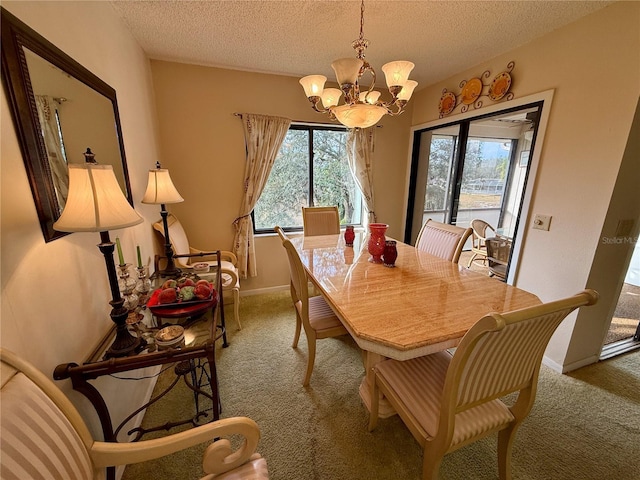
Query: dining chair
{"x": 42, "y": 435}
{"x": 480, "y": 231}
{"x": 320, "y": 221}
{"x": 442, "y": 240}
{"x": 498, "y": 252}
{"x": 313, "y": 313}
{"x": 180, "y": 244}
{"x": 450, "y": 400}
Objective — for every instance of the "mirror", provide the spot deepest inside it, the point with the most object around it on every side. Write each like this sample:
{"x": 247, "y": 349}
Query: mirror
{"x": 59, "y": 109}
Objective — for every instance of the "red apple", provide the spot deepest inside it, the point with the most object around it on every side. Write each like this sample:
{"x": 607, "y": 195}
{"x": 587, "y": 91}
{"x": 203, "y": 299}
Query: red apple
{"x": 170, "y": 284}
{"x": 168, "y": 295}
{"x": 202, "y": 291}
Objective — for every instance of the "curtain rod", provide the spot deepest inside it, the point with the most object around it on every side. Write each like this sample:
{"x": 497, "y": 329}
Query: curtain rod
{"x": 305, "y": 122}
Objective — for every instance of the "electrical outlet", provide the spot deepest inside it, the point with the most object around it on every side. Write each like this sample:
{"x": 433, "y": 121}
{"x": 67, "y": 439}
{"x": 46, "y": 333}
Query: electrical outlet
{"x": 541, "y": 222}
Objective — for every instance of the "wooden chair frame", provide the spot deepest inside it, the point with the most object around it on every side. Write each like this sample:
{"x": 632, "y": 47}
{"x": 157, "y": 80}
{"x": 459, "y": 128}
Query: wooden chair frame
{"x": 320, "y": 221}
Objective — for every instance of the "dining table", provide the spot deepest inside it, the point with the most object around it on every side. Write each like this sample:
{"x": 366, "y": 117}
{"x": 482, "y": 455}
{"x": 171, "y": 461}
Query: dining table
{"x": 422, "y": 305}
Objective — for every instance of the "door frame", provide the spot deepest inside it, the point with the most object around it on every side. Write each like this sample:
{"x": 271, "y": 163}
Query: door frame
{"x": 545, "y": 99}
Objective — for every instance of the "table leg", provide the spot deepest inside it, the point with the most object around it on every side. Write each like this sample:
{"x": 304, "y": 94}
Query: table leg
{"x": 385, "y": 409}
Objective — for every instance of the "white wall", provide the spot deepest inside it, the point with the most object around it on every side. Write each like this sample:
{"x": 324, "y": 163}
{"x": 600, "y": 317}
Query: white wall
{"x": 55, "y": 295}
{"x": 593, "y": 67}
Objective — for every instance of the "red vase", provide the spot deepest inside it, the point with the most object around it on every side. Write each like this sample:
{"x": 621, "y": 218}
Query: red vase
{"x": 349, "y": 236}
{"x": 390, "y": 254}
{"x": 377, "y": 241}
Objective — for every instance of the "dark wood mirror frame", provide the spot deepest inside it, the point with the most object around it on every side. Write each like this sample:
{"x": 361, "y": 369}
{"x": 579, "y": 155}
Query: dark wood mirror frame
{"x": 16, "y": 80}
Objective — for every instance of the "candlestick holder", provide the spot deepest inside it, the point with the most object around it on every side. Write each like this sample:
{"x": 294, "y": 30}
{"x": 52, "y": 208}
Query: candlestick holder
{"x": 127, "y": 285}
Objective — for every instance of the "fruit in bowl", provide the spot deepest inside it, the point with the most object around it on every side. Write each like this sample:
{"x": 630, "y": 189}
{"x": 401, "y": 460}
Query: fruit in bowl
{"x": 202, "y": 291}
{"x": 168, "y": 295}
{"x": 185, "y": 282}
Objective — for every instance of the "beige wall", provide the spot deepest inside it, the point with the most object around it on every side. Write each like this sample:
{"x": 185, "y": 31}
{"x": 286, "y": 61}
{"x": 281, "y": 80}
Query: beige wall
{"x": 55, "y": 295}
{"x": 594, "y": 69}
{"x": 202, "y": 144}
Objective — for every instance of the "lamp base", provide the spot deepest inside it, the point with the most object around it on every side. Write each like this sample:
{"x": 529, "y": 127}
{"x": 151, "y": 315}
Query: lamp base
{"x": 170, "y": 272}
{"x": 124, "y": 344}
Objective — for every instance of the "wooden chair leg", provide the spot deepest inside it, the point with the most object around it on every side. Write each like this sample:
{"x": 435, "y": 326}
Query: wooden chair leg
{"x": 471, "y": 259}
{"x": 236, "y": 307}
{"x": 506, "y": 439}
{"x": 431, "y": 464}
{"x": 296, "y": 336}
{"x": 311, "y": 342}
{"x": 375, "y": 405}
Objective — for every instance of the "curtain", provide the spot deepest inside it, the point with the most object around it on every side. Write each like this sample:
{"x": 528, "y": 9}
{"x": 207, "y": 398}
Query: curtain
{"x": 53, "y": 144}
{"x": 360, "y": 147}
{"x": 263, "y": 136}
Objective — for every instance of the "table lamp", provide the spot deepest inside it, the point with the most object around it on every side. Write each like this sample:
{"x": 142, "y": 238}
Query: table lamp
{"x": 95, "y": 203}
{"x": 160, "y": 191}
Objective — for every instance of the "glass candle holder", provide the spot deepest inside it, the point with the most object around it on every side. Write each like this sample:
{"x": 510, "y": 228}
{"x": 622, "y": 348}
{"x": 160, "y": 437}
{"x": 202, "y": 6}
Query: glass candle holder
{"x": 143, "y": 284}
{"x": 390, "y": 254}
{"x": 127, "y": 285}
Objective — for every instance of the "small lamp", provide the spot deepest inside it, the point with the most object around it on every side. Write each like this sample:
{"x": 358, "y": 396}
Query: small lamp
{"x": 160, "y": 191}
{"x": 95, "y": 203}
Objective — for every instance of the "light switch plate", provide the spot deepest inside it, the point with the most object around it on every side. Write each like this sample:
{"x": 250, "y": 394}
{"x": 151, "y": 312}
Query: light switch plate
{"x": 541, "y": 222}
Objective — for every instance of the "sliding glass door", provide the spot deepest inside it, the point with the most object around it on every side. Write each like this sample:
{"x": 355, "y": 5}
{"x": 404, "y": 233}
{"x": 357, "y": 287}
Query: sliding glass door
{"x": 473, "y": 169}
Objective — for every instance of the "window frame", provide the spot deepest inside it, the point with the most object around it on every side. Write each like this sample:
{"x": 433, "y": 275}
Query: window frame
{"x": 310, "y": 127}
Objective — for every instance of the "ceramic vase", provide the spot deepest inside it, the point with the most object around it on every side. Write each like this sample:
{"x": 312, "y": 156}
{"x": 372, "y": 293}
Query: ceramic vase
{"x": 376, "y": 241}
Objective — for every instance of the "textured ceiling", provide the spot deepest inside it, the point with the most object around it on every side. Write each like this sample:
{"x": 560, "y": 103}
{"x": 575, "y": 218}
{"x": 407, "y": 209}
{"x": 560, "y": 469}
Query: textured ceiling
{"x": 301, "y": 37}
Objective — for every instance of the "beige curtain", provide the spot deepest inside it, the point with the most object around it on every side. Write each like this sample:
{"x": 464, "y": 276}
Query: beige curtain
{"x": 55, "y": 153}
{"x": 263, "y": 136}
{"x": 360, "y": 147}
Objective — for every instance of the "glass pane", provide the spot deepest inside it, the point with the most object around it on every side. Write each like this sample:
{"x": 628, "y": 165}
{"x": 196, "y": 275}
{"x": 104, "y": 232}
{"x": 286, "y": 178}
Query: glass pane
{"x": 287, "y": 189}
{"x": 486, "y": 165}
{"x": 333, "y": 183}
{"x": 441, "y": 157}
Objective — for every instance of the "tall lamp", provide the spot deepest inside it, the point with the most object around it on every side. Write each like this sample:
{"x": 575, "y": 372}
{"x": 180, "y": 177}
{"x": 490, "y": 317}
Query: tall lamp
{"x": 160, "y": 191}
{"x": 95, "y": 203}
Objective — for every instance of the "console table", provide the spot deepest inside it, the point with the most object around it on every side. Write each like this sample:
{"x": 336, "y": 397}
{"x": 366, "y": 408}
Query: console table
{"x": 190, "y": 362}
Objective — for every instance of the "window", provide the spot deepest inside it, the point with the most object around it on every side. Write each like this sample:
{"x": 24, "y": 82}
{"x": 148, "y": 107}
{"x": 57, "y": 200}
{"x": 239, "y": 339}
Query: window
{"x": 311, "y": 169}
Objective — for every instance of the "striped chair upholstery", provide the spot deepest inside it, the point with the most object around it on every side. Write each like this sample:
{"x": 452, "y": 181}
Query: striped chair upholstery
{"x": 320, "y": 221}
{"x": 448, "y": 401}
{"x": 42, "y": 436}
{"x": 442, "y": 240}
{"x": 37, "y": 439}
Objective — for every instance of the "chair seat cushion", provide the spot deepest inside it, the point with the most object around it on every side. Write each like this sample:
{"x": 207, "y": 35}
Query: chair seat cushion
{"x": 420, "y": 382}
{"x": 321, "y": 317}
{"x": 254, "y": 469}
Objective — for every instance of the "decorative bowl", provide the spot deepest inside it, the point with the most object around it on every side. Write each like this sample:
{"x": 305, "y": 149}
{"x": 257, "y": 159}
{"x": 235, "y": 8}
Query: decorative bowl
{"x": 201, "y": 267}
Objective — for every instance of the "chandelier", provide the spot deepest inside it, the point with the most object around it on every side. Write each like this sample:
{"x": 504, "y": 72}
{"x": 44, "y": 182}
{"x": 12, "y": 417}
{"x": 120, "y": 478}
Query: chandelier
{"x": 361, "y": 107}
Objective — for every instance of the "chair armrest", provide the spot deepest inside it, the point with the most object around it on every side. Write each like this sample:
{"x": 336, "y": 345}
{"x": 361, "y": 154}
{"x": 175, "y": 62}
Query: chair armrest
{"x": 224, "y": 255}
{"x": 219, "y": 456}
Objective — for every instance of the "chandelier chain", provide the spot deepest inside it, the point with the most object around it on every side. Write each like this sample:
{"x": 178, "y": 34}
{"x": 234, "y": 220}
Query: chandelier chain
{"x": 361, "y": 44}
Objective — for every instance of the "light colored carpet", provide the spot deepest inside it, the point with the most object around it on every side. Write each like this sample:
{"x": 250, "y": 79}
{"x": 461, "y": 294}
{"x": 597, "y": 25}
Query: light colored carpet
{"x": 584, "y": 426}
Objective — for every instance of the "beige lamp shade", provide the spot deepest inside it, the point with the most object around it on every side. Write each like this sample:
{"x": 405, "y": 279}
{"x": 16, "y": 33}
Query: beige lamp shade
{"x": 347, "y": 70}
{"x": 313, "y": 85}
{"x": 361, "y": 115}
{"x": 95, "y": 202}
{"x": 160, "y": 189}
{"x": 331, "y": 97}
{"x": 397, "y": 73}
{"x": 407, "y": 90}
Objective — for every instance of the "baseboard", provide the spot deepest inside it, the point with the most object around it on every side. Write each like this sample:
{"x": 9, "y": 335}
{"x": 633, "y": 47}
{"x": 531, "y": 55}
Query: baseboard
{"x": 570, "y": 367}
{"x": 258, "y": 291}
